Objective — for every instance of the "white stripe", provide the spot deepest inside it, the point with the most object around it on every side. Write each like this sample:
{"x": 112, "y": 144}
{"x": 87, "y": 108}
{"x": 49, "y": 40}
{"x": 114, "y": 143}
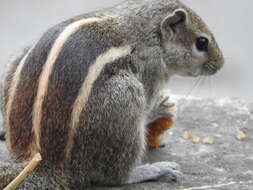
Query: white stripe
{"x": 94, "y": 71}
{"x": 47, "y": 71}
{"x": 12, "y": 92}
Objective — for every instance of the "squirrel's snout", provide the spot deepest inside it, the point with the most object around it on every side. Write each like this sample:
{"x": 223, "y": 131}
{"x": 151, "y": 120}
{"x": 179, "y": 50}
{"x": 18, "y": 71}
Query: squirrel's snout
{"x": 212, "y": 67}
{"x": 220, "y": 63}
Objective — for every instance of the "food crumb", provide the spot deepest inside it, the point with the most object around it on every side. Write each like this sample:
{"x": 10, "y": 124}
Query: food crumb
{"x": 195, "y": 139}
{"x": 186, "y": 135}
{"x": 240, "y": 136}
{"x": 208, "y": 140}
{"x": 171, "y": 109}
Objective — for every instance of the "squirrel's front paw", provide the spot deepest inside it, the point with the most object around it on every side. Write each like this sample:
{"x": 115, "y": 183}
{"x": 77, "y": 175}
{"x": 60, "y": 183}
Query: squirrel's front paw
{"x": 161, "y": 118}
{"x": 159, "y": 171}
{"x": 164, "y": 108}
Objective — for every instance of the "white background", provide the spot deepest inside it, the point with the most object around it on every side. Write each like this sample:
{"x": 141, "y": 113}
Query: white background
{"x": 23, "y": 21}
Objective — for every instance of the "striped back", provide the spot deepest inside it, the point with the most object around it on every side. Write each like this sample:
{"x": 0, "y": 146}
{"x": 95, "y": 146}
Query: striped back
{"x": 51, "y": 85}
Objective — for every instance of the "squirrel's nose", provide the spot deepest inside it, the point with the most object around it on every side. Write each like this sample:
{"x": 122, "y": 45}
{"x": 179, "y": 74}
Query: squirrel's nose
{"x": 220, "y": 62}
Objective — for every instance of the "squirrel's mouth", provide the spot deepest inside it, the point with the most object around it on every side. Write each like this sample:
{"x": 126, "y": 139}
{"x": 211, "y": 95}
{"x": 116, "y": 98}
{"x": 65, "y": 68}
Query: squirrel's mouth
{"x": 206, "y": 69}
{"x": 212, "y": 67}
{"x": 209, "y": 68}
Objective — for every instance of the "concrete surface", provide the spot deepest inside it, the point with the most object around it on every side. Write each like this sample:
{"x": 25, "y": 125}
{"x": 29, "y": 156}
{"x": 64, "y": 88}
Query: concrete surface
{"x": 227, "y": 164}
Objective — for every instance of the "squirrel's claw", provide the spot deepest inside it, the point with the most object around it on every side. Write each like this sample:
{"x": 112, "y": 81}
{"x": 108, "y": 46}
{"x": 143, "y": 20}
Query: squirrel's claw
{"x": 162, "y": 109}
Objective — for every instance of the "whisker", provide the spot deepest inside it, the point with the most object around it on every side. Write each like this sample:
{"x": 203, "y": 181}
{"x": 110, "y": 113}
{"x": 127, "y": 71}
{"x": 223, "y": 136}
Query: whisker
{"x": 210, "y": 86}
{"x": 197, "y": 82}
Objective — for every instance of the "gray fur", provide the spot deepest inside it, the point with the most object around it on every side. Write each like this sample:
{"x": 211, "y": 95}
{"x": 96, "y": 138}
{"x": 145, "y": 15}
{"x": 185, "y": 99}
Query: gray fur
{"x": 111, "y": 134}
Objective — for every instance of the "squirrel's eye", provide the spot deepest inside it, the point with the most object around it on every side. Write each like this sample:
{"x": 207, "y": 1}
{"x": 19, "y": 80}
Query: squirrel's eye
{"x": 202, "y": 44}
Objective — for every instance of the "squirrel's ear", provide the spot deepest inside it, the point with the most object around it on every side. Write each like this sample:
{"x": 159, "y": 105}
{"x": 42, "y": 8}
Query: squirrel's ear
{"x": 171, "y": 24}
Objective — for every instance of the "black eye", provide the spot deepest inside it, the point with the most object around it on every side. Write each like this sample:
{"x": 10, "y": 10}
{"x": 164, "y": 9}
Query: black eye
{"x": 202, "y": 44}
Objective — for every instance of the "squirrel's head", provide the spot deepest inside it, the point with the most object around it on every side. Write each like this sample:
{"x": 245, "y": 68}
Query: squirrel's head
{"x": 188, "y": 47}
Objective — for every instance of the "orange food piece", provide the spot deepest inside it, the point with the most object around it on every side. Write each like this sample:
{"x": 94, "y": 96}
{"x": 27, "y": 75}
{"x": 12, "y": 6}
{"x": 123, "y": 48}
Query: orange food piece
{"x": 156, "y": 129}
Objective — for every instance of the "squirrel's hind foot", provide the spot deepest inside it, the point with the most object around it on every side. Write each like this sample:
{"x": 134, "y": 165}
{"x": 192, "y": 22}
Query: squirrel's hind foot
{"x": 159, "y": 171}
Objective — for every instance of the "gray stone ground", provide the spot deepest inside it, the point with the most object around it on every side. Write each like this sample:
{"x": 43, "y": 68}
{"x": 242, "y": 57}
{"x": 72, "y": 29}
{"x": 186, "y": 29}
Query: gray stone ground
{"x": 225, "y": 165}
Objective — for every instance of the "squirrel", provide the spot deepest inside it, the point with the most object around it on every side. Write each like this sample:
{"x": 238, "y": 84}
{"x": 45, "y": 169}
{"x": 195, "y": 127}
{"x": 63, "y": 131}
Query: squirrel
{"x": 84, "y": 95}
